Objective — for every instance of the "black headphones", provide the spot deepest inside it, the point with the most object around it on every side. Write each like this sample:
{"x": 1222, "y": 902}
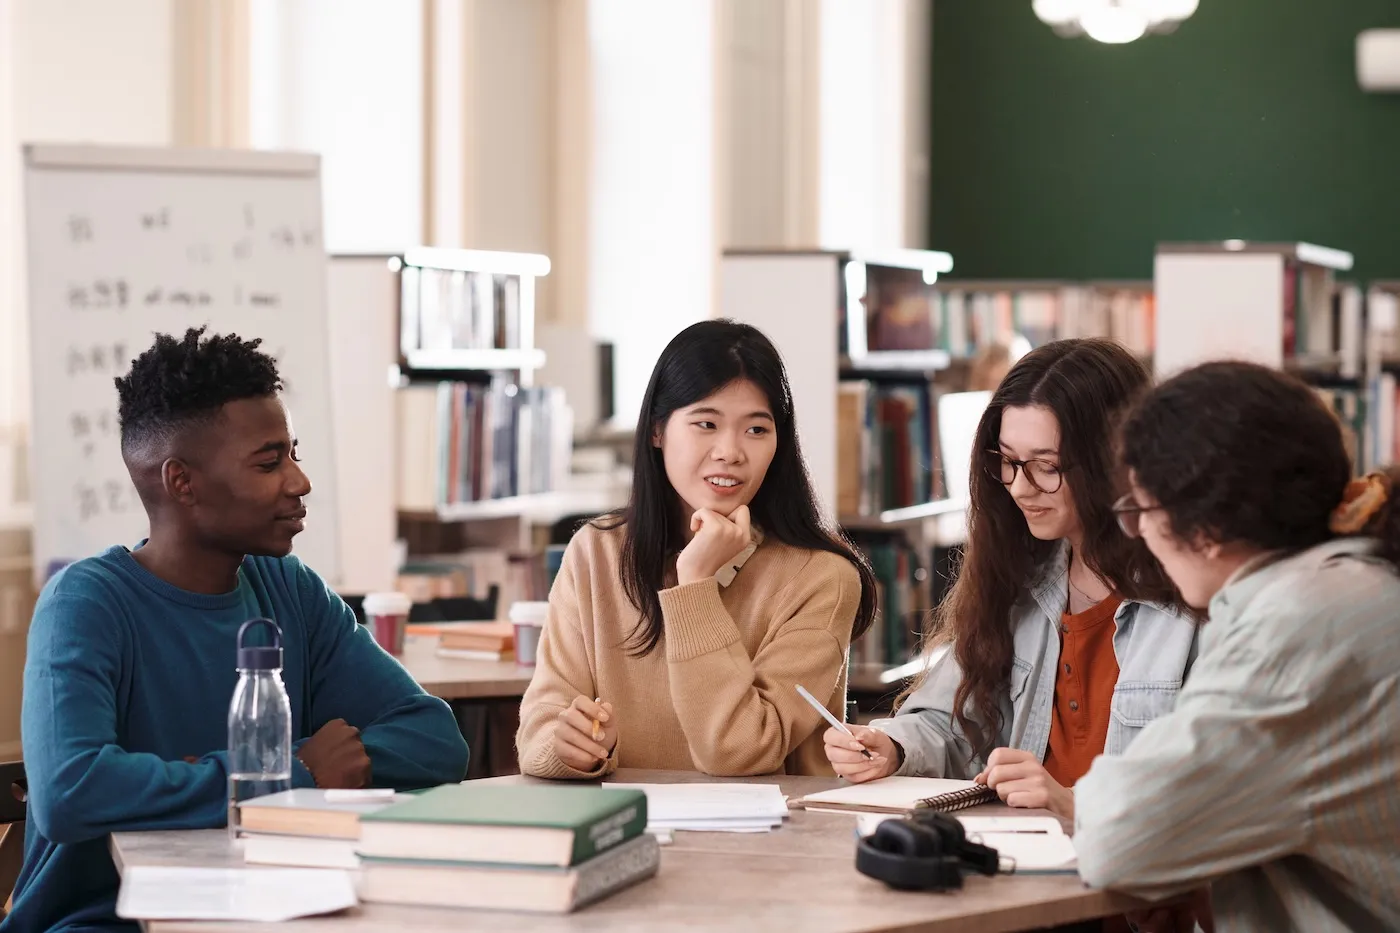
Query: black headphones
{"x": 927, "y": 852}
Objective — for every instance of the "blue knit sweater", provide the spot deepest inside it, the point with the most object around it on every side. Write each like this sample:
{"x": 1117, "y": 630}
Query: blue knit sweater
{"x": 126, "y": 676}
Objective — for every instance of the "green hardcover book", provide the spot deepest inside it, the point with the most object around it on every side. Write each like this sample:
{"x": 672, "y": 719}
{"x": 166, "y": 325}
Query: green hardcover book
{"x": 531, "y": 824}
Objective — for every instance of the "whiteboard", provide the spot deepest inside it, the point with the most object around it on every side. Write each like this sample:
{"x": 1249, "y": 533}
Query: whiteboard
{"x": 127, "y": 242}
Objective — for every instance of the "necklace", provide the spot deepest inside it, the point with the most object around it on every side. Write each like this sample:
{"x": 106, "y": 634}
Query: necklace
{"x": 1089, "y": 600}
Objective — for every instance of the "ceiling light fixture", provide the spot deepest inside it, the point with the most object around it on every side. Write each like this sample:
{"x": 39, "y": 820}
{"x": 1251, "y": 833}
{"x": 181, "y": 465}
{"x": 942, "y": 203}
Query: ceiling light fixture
{"x": 1113, "y": 21}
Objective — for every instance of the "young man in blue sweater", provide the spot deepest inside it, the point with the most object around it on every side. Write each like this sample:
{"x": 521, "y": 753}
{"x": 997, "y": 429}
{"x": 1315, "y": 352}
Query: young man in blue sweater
{"x": 131, "y": 653}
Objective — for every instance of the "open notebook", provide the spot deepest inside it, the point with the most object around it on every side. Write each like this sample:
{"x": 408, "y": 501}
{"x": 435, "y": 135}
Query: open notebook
{"x": 902, "y": 795}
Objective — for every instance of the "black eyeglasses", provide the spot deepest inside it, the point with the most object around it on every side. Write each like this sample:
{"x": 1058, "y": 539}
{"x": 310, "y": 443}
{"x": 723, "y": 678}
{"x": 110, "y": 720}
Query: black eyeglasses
{"x": 1044, "y": 475}
{"x": 1129, "y": 515}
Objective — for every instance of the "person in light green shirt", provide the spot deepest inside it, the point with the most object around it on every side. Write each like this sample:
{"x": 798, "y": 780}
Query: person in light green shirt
{"x": 1276, "y": 780}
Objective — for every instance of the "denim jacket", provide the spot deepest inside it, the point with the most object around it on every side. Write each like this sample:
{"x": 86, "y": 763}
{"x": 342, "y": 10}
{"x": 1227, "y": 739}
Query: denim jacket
{"x": 1155, "y": 646}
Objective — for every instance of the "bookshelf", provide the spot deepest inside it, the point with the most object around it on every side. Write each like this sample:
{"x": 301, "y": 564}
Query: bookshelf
{"x": 1281, "y": 305}
{"x": 841, "y": 318}
{"x": 911, "y": 346}
{"x": 1274, "y": 303}
{"x": 892, "y": 363}
{"x": 483, "y": 446}
{"x": 477, "y": 439}
{"x": 1381, "y": 444}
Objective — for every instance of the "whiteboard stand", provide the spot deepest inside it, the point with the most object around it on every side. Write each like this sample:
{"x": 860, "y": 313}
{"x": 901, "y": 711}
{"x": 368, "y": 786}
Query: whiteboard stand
{"x": 126, "y": 242}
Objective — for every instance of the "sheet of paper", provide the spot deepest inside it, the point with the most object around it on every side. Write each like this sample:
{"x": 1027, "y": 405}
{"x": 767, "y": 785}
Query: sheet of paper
{"x": 1012, "y": 824}
{"x": 730, "y": 808}
{"x": 1030, "y": 843}
{"x": 711, "y": 801}
{"x": 718, "y": 826}
{"x": 267, "y": 895}
{"x": 1033, "y": 852}
{"x": 867, "y": 823}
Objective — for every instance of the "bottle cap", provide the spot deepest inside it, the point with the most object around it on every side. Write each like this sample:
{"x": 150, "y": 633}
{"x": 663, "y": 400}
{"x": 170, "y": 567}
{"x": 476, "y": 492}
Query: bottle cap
{"x": 260, "y": 657}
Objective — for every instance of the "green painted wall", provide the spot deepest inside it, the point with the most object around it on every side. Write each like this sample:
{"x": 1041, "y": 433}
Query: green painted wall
{"x": 1065, "y": 158}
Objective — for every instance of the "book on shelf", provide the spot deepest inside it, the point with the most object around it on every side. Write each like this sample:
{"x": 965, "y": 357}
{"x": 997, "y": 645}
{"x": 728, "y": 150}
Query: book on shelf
{"x": 448, "y": 309}
{"x": 461, "y": 443}
{"x": 894, "y": 637}
{"x": 890, "y": 456}
{"x": 974, "y": 318}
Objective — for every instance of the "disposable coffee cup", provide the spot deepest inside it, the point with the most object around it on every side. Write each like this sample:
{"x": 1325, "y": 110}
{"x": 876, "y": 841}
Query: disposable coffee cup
{"x": 386, "y": 614}
{"x": 528, "y": 619}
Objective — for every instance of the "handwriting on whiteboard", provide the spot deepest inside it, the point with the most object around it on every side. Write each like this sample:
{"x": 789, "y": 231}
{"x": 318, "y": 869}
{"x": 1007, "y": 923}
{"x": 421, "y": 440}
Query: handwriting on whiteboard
{"x": 280, "y": 237}
{"x": 111, "y": 497}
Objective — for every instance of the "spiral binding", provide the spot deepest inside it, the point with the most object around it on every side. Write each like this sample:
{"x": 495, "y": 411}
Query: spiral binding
{"x": 959, "y": 799}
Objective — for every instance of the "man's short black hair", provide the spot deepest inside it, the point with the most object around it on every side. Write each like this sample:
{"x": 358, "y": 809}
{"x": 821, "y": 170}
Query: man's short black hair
{"x": 180, "y": 382}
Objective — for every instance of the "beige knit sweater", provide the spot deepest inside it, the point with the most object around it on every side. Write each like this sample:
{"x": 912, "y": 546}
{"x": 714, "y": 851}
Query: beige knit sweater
{"x": 718, "y": 694}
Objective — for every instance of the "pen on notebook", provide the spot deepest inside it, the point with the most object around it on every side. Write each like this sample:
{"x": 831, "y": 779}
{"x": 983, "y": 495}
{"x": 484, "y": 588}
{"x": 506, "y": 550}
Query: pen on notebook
{"x": 826, "y": 714}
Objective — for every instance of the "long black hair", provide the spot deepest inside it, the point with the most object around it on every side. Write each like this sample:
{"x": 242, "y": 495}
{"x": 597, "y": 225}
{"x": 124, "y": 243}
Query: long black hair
{"x": 698, "y": 362}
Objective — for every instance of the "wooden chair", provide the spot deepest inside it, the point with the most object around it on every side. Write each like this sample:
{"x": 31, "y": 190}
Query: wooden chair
{"x": 14, "y": 789}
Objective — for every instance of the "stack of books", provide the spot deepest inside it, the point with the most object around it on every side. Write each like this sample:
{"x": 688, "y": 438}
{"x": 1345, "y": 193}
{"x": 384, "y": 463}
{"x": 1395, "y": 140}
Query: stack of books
{"x": 528, "y": 848}
{"x": 308, "y": 827}
{"x": 481, "y": 641}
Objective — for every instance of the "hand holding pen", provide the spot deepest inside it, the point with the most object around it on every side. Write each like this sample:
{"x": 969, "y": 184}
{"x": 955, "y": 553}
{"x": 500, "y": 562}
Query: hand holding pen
{"x": 856, "y": 753}
{"x": 585, "y": 733}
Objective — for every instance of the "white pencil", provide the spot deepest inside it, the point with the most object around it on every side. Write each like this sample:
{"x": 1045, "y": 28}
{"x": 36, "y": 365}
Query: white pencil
{"x": 826, "y": 714}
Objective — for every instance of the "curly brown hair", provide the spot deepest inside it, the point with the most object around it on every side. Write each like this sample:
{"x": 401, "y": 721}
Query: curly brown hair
{"x": 1237, "y": 452}
{"x": 1087, "y": 385}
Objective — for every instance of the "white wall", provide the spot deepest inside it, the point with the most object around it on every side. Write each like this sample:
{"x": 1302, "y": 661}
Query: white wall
{"x": 345, "y": 78}
{"x": 71, "y": 71}
{"x": 652, "y": 236}
{"x": 491, "y": 135}
{"x": 873, "y": 125}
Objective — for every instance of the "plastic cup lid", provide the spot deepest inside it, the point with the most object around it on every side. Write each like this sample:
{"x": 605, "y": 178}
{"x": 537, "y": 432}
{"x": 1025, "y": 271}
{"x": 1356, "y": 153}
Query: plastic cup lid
{"x": 387, "y": 604}
{"x": 528, "y": 613}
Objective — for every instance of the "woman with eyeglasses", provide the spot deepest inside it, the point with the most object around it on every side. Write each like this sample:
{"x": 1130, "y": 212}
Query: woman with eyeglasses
{"x": 1061, "y": 638}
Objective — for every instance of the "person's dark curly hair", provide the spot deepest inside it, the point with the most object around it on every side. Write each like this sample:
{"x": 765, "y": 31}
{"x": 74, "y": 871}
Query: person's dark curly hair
{"x": 185, "y": 381}
{"x": 1238, "y": 452}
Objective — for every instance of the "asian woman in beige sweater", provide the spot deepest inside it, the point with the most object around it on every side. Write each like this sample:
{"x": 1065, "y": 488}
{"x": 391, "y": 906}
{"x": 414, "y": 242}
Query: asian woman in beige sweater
{"x": 680, "y": 626}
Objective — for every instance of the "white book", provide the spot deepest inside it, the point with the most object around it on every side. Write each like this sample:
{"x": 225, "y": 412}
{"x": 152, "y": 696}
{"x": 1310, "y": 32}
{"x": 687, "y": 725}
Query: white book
{"x": 731, "y": 807}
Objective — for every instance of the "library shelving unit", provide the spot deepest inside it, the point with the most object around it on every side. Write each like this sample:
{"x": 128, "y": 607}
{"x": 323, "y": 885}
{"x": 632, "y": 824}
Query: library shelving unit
{"x": 1382, "y": 367}
{"x": 479, "y": 440}
{"x": 856, "y": 331}
{"x": 892, "y": 363}
{"x": 1272, "y": 303}
{"x": 459, "y": 458}
{"x": 1028, "y": 313}
{"x": 1278, "y": 304}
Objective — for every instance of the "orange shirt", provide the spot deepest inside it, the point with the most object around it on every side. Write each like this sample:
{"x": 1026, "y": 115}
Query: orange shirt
{"x": 1084, "y": 685}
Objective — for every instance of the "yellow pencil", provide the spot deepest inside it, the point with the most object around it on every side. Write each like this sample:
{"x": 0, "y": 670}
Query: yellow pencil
{"x": 597, "y": 726}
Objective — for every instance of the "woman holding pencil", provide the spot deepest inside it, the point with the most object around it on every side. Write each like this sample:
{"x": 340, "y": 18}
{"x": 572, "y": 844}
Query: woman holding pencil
{"x": 681, "y": 626}
{"x": 1062, "y": 637}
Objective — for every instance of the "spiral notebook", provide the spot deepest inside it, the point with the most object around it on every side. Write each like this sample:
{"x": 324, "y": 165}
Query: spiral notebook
{"x": 902, "y": 795}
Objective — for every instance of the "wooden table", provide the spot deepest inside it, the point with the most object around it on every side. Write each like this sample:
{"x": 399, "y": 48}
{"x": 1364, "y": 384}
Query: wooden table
{"x": 801, "y": 877}
{"x": 460, "y": 678}
{"x": 485, "y": 697}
